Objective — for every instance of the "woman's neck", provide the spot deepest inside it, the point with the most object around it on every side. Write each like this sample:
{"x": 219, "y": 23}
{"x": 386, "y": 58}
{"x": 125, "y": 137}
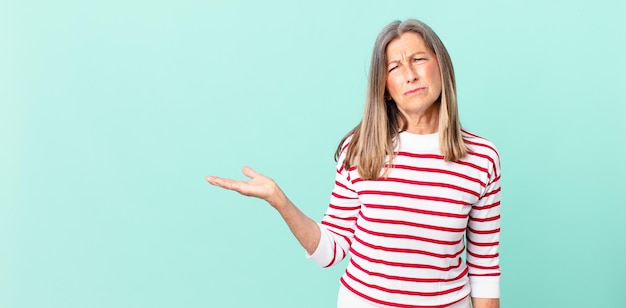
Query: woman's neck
{"x": 424, "y": 123}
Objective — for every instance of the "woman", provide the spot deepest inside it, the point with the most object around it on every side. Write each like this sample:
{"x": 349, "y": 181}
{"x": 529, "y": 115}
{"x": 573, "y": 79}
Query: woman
{"x": 410, "y": 183}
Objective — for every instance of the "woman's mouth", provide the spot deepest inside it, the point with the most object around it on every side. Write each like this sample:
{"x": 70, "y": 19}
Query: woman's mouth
{"x": 414, "y": 90}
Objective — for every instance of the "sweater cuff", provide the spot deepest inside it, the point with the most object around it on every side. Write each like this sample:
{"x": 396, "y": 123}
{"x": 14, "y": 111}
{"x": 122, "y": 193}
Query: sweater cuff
{"x": 320, "y": 255}
{"x": 485, "y": 286}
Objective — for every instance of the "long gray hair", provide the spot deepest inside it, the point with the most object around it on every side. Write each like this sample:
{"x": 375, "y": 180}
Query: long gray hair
{"x": 373, "y": 139}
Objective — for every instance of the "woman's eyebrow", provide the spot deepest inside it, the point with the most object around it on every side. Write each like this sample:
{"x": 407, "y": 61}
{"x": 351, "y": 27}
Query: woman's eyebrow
{"x": 411, "y": 55}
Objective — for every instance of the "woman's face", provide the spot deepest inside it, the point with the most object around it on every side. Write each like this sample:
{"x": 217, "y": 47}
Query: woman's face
{"x": 413, "y": 78}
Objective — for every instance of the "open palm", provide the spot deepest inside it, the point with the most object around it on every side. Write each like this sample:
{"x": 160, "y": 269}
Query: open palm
{"x": 259, "y": 185}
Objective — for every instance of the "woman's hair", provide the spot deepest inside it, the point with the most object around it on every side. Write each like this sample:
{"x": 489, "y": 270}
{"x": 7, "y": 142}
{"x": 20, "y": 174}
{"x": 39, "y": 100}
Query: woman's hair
{"x": 373, "y": 140}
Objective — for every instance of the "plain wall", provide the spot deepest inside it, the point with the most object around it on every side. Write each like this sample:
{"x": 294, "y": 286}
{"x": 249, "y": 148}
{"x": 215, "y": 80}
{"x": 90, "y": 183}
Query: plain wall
{"x": 112, "y": 113}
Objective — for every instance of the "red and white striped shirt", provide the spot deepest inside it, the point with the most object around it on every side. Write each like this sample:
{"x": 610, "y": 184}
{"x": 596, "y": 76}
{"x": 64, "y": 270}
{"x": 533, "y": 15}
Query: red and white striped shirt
{"x": 405, "y": 232}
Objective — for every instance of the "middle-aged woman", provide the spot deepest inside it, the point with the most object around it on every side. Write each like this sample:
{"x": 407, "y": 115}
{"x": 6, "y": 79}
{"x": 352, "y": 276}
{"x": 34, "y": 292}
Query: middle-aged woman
{"x": 410, "y": 183}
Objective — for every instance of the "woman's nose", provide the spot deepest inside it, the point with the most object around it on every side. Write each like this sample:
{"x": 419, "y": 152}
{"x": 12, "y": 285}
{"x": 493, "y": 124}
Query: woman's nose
{"x": 411, "y": 75}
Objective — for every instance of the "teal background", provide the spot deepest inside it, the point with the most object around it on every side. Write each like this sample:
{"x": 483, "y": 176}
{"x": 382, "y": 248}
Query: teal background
{"x": 112, "y": 113}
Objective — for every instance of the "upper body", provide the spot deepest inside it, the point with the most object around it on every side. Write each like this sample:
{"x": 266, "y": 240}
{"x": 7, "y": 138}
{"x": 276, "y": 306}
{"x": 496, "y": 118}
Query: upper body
{"x": 411, "y": 183}
{"x": 405, "y": 232}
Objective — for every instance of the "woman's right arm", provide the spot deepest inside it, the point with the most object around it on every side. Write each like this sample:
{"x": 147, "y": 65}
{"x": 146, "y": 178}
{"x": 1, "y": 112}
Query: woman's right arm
{"x": 303, "y": 228}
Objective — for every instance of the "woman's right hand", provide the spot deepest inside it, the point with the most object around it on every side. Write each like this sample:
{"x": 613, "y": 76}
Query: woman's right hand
{"x": 305, "y": 230}
{"x": 259, "y": 186}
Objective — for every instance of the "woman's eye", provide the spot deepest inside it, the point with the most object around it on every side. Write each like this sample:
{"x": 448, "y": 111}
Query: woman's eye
{"x": 393, "y": 68}
{"x": 418, "y": 59}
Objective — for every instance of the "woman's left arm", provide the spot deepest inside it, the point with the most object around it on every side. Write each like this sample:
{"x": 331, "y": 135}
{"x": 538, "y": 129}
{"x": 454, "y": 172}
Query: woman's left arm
{"x": 483, "y": 239}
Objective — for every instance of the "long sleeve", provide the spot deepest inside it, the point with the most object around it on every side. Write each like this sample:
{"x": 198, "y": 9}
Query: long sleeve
{"x": 483, "y": 238}
{"x": 337, "y": 226}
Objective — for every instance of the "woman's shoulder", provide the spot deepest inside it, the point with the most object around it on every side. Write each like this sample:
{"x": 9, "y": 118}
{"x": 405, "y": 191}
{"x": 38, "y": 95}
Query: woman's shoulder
{"x": 342, "y": 148}
{"x": 480, "y": 145}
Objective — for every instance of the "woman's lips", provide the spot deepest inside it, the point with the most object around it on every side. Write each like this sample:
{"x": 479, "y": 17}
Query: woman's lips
{"x": 414, "y": 90}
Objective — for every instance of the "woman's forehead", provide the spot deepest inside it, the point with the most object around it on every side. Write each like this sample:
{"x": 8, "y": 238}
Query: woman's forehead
{"x": 405, "y": 46}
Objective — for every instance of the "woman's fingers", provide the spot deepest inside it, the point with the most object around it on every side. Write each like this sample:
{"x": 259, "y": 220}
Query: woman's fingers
{"x": 213, "y": 180}
{"x": 247, "y": 171}
{"x": 259, "y": 185}
{"x": 244, "y": 188}
{"x": 224, "y": 183}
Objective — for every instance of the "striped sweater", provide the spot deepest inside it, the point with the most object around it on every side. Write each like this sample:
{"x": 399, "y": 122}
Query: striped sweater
{"x": 405, "y": 233}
